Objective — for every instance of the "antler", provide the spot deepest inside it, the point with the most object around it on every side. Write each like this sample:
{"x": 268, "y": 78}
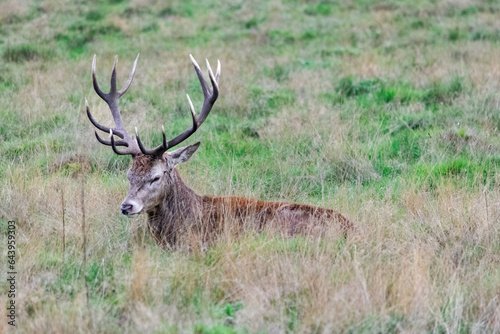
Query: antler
{"x": 135, "y": 146}
{"x": 111, "y": 99}
{"x": 210, "y": 96}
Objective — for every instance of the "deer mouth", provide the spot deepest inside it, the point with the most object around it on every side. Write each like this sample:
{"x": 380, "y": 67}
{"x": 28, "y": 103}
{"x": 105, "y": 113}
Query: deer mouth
{"x": 133, "y": 214}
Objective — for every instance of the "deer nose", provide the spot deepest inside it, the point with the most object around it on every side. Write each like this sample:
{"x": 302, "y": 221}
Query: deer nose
{"x": 126, "y": 208}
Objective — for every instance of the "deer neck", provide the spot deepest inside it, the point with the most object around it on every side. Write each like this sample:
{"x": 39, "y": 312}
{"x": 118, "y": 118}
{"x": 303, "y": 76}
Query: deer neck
{"x": 179, "y": 203}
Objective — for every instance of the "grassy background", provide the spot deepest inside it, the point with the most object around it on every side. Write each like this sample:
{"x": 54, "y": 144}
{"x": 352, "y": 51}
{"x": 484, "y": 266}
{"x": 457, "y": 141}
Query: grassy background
{"x": 387, "y": 111}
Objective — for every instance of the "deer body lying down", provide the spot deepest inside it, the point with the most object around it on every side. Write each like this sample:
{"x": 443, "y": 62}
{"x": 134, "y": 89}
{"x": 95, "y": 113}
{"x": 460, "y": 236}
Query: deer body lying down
{"x": 174, "y": 209}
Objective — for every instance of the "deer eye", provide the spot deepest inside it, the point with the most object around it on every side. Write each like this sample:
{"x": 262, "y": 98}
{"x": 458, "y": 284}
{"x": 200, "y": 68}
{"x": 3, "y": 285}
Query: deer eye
{"x": 155, "y": 179}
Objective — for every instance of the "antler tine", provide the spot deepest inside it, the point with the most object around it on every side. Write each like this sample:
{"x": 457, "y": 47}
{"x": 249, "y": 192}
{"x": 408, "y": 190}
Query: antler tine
{"x": 193, "y": 113}
{"x": 94, "y": 81}
{"x": 141, "y": 147}
{"x": 157, "y": 151}
{"x": 217, "y": 74}
{"x": 209, "y": 102}
{"x": 108, "y": 143}
{"x": 199, "y": 73}
{"x": 130, "y": 78}
{"x": 186, "y": 134}
{"x": 164, "y": 143}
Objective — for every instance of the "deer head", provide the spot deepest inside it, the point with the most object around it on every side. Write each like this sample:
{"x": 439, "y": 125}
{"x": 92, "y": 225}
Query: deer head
{"x": 152, "y": 174}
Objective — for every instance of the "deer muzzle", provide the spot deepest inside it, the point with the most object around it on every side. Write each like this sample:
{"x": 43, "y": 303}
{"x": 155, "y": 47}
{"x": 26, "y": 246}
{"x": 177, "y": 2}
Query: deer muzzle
{"x": 130, "y": 208}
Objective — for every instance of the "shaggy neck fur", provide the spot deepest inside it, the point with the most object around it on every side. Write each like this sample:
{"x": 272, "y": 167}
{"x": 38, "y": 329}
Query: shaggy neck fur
{"x": 179, "y": 205}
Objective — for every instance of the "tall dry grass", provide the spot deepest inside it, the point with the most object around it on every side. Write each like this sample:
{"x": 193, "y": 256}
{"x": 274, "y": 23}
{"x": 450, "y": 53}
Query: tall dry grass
{"x": 426, "y": 261}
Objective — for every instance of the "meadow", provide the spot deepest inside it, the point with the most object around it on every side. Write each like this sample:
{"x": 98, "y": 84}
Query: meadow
{"x": 387, "y": 111}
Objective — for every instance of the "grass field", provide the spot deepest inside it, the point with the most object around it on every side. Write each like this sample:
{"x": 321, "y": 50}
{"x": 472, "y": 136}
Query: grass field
{"x": 387, "y": 111}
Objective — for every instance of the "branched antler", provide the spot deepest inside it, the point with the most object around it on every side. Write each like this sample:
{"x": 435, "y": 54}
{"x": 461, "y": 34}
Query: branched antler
{"x": 210, "y": 96}
{"x": 134, "y": 146}
{"x": 111, "y": 99}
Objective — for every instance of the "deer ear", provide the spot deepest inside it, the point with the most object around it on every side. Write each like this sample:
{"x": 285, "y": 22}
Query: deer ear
{"x": 181, "y": 155}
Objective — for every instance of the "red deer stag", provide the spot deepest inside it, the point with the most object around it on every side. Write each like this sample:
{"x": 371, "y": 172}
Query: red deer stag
{"x": 157, "y": 189}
